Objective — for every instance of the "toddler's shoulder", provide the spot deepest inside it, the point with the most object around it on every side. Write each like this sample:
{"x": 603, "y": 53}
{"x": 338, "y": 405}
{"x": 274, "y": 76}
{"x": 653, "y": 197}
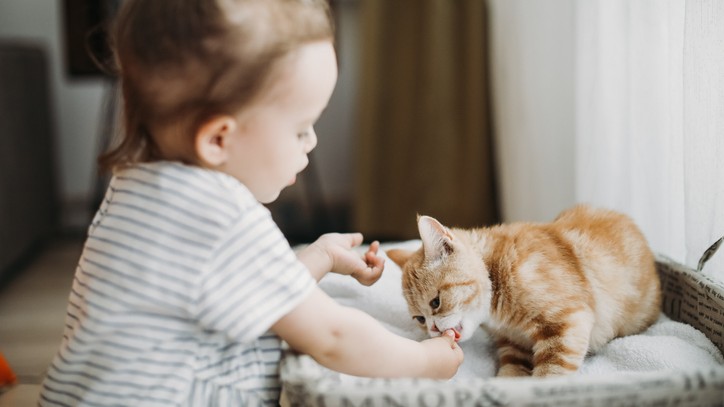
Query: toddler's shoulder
{"x": 188, "y": 191}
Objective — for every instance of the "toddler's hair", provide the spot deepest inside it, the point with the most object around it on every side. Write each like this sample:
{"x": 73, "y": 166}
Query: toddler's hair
{"x": 185, "y": 61}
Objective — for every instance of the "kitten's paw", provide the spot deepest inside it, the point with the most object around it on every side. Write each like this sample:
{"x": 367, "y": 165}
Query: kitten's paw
{"x": 513, "y": 371}
{"x": 551, "y": 370}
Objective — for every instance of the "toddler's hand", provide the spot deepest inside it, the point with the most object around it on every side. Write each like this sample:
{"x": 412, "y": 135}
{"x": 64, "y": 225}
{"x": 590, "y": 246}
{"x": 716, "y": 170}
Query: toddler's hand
{"x": 366, "y": 269}
{"x": 444, "y": 354}
{"x": 374, "y": 266}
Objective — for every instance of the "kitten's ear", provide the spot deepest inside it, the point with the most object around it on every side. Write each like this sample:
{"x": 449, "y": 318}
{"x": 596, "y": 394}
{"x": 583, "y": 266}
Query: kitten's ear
{"x": 436, "y": 238}
{"x": 399, "y": 256}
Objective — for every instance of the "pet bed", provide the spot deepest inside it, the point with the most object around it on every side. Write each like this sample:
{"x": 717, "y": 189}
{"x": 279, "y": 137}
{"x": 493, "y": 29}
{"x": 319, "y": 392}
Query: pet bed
{"x": 677, "y": 361}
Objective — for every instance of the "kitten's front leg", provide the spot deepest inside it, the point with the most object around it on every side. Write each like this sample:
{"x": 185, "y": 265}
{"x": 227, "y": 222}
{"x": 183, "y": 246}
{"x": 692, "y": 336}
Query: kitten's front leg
{"x": 515, "y": 360}
{"x": 561, "y": 347}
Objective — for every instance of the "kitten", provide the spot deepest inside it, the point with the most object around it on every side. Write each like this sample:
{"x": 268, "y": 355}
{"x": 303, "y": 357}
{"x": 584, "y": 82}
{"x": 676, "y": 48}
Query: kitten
{"x": 548, "y": 292}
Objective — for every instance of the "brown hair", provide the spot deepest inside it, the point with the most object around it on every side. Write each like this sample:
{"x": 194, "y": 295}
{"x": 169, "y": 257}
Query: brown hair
{"x": 184, "y": 61}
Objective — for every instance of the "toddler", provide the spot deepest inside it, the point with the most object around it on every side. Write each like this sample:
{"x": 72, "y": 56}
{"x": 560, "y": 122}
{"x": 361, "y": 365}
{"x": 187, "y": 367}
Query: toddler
{"x": 185, "y": 285}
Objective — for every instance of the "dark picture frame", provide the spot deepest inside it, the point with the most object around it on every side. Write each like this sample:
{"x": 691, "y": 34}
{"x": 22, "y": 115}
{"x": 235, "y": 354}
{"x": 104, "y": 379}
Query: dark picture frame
{"x": 85, "y": 42}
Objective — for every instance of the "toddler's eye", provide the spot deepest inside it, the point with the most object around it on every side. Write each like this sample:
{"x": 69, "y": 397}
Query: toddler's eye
{"x": 419, "y": 319}
{"x": 435, "y": 303}
{"x": 303, "y": 134}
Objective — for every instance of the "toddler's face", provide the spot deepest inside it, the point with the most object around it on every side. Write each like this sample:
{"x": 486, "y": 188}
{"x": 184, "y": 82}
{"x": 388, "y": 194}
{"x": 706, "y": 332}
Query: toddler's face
{"x": 272, "y": 143}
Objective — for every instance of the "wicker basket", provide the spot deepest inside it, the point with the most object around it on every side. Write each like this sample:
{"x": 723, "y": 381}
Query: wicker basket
{"x": 688, "y": 296}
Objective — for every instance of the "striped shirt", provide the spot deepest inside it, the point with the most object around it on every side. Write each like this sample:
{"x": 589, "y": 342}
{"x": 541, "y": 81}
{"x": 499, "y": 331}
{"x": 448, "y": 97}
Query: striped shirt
{"x": 181, "y": 277}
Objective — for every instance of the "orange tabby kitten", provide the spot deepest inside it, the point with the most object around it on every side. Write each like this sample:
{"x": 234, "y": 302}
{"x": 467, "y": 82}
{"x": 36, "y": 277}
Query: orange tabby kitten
{"x": 548, "y": 292}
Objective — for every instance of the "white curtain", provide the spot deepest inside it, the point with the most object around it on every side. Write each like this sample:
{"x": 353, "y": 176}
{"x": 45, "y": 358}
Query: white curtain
{"x": 646, "y": 115}
{"x": 649, "y": 118}
{"x": 533, "y": 99}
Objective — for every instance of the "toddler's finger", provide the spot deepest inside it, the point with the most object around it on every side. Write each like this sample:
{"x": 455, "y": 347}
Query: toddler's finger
{"x": 351, "y": 240}
{"x": 373, "y": 260}
{"x": 370, "y": 274}
{"x": 452, "y": 336}
{"x": 355, "y": 239}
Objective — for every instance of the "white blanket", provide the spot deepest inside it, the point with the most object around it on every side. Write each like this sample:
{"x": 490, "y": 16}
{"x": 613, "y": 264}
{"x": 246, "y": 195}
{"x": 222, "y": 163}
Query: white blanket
{"x": 665, "y": 345}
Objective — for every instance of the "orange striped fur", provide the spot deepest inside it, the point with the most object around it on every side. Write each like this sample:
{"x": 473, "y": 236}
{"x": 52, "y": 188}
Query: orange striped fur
{"x": 549, "y": 292}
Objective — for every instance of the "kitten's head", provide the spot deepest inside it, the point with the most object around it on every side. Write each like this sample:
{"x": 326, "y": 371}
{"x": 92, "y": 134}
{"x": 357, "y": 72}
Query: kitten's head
{"x": 444, "y": 282}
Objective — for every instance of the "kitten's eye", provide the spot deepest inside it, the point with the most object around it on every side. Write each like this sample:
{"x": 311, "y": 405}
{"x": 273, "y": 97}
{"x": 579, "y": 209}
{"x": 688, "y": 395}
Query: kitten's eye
{"x": 435, "y": 303}
{"x": 419, "y": 319}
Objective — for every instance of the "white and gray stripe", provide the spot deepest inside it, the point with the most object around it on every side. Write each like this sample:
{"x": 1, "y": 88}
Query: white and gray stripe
{"x": 182, "y": 275}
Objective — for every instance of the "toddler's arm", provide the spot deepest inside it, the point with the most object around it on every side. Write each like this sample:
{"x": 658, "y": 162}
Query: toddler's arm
{"x": 349, "y": 341}
{"x": 333, "y": 252}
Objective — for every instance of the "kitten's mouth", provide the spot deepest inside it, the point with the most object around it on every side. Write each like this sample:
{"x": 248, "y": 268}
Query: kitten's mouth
{"x": 457, "y": 328}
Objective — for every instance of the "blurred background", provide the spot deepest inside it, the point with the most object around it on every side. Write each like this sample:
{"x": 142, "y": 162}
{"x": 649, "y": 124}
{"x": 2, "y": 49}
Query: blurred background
{"x": 471, "y": 111}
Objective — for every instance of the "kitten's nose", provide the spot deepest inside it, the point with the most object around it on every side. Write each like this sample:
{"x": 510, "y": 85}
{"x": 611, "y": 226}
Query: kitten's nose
{"x": 434, "y": 328}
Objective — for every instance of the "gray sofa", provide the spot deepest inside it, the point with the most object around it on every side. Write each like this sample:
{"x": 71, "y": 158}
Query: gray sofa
{"x": 28, "y": 198}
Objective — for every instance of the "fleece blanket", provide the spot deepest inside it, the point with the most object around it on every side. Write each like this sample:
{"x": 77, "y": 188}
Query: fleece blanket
{"x": 666, "y": 345}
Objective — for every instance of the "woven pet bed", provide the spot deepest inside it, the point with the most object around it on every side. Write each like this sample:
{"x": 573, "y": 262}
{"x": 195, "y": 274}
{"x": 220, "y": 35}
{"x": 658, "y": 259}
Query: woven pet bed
{"x": 689, "y": 297}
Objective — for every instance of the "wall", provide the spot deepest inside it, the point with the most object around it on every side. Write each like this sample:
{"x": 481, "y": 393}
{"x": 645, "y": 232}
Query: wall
{"x": 76, "y": 104}
{"x": 336, "y": 127}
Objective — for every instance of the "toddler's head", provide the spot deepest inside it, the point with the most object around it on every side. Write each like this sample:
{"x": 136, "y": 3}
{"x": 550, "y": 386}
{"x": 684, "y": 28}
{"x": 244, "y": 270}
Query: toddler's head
{"x": 203, "y": 80}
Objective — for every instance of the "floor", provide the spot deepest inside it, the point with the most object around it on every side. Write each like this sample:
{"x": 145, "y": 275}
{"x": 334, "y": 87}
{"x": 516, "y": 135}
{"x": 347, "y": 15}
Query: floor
{"x": 32, "y": 314}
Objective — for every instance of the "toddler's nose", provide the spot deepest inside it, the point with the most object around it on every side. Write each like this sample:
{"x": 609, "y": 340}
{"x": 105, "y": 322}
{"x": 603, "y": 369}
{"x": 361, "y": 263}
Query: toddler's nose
{"x": 311, "y": 141}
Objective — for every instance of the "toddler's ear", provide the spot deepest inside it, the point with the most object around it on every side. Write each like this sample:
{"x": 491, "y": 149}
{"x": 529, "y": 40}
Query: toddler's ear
{"x": 399, "y": 256}
{"x": 212, "y": 139}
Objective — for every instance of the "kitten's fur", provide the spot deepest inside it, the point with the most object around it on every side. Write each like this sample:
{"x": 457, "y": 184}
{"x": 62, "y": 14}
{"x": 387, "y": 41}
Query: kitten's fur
{"x": 548, "y": 292}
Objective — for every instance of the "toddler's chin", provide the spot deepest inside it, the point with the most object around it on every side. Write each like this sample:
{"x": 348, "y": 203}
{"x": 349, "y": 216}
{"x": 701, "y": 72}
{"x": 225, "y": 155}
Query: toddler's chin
{"x": 268, "y": 198}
